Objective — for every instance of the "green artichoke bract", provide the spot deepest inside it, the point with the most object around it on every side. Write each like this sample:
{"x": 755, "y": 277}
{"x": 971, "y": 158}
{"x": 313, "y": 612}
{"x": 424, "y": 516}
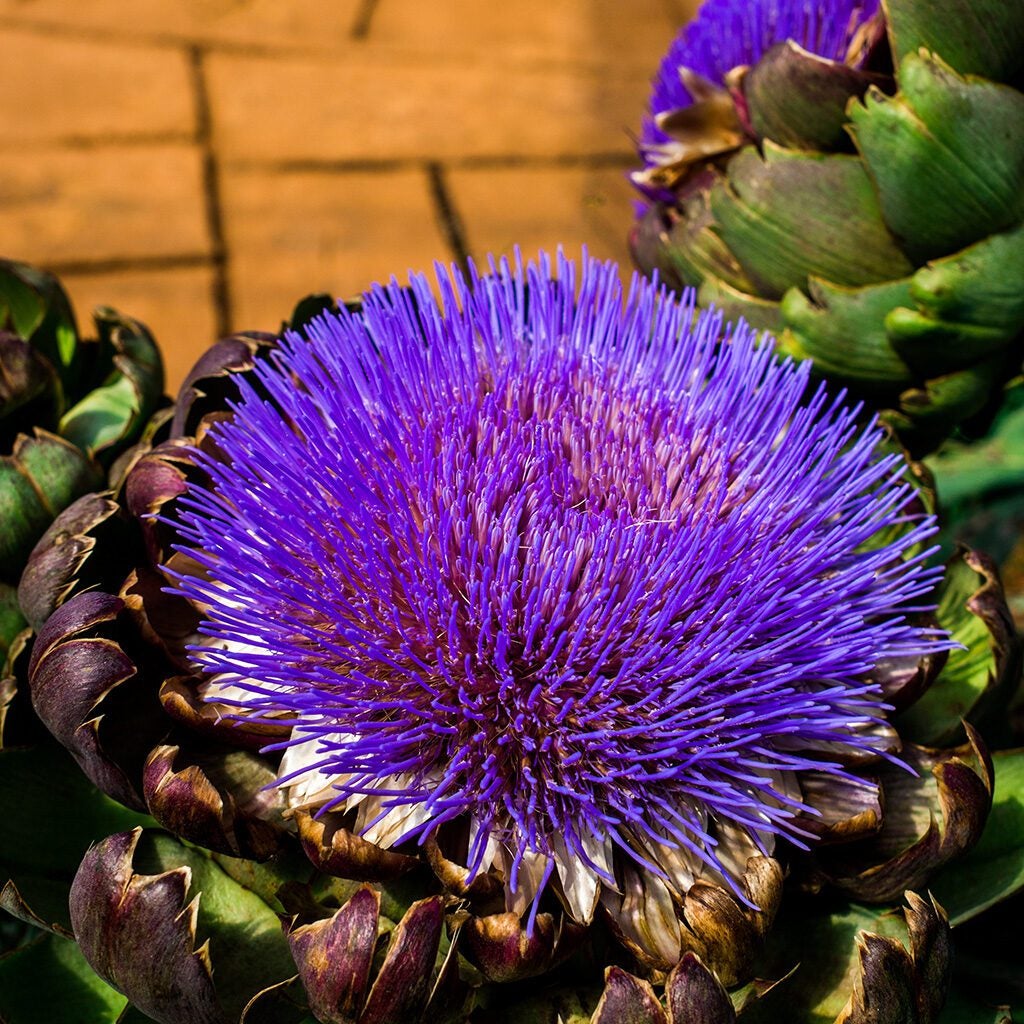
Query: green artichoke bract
{"x": 185, "y": 832}
{"x": 848, "y": 175}
{"x": 68, "y": 407}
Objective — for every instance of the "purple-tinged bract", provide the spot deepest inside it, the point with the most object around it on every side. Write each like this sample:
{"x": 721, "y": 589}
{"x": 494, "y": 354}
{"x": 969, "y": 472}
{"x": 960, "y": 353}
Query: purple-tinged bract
{"x": 592, "y": 573}
{"x": 726, "y": 34}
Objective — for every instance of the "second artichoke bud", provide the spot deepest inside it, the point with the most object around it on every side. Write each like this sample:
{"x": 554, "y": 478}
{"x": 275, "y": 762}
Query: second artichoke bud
{"x": 847, "y": 176}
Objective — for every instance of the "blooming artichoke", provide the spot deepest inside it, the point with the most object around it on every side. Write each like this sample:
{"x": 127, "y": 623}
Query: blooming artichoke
{"x": 514, "y": 651}
{"x": 848, "y": 174}
{"x": 67, "y": 408}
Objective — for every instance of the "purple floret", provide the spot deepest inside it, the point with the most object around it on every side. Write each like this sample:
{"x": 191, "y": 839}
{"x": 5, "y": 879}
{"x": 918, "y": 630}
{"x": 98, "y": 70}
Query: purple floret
{"x": 557, "y": 559}
{"x": 729, "y": 33}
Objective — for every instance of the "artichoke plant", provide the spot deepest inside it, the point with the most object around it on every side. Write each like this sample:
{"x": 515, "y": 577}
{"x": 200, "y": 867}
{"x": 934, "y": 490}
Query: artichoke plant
{"x": 848, "y": 174}
{"x": 519, "y": 650}
{"x": 68, "y": 407}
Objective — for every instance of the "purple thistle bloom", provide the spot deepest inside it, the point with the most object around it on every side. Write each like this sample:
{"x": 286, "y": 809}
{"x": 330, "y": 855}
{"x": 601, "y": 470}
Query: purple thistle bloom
{"x": 585, "y": 571}
{"x": 726, "y": 34}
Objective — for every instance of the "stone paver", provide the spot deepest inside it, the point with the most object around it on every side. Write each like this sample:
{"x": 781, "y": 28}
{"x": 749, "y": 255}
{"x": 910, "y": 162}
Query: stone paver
{"x": 203, "y": 164}
{"x": 175, "y": 304}
{"x": 586, "y": 32}
{"x": 292, "y": 234}
{"x": 63, "y": 89}
{"x": 61, "y": 206}
{"x": 379, "y": 105}
{"x": 307, "y": 24}
{"x": 537, "y": 208}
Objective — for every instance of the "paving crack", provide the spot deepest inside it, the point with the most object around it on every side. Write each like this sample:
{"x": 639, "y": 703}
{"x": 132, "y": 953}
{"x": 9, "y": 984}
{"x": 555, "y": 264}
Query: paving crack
{"x": 364, "y": 18}
{"x": 448, "y": 216}
{"x": 211, "y": 192}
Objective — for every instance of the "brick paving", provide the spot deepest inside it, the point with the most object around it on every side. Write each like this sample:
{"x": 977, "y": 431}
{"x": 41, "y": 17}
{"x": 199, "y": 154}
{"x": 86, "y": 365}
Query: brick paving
{"x": 202, "y": 164}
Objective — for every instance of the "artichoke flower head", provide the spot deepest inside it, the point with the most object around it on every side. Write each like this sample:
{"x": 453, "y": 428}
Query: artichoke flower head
{"x": 568, "y": 618}
{"x": 848, "y": 176}
{"x": 566, "y": 572}
{"x": 563, "y": 588}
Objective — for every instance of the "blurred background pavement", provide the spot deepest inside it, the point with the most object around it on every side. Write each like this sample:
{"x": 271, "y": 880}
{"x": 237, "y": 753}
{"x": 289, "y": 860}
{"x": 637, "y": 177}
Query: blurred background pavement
{"x": 203, "y": 164}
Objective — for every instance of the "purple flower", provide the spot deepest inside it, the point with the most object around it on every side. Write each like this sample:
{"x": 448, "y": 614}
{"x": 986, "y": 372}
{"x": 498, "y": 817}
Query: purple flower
{"x": 726, "y": 34}
{"x": 592, "y": 574}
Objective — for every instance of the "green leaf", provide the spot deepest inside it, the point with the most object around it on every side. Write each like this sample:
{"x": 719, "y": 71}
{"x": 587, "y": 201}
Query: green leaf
{"x": 981, "y": 494}
{"x": 266, "y": 878}
{"x": 981, "y": 37}
{"x": 819, "y": 934}
{"x": 112, "y": 415}
{"x": 37, "y": 308}
{"x": 843, "y": 331}
{"x": 59, "y": 471}
{"x": 247, "y": 947}
{"x": 925, "y": 415}
{"x": 966, "y": 474}
{"x": 967, "y": 307}
{"x": 41, "y": 477}
{"x": 977, "y": 680}
{"x": 994, "y": 870}
{"x": 51, "y": 814}
{"x": 21, "y": 306}
{"x": 946, "y": 155}
{"x": 49, "y": 980}
{"x": 794, "y": 215}
{"x": 761, "y": 314}
{"x": 30, "y": 391}
{"x": 980, "y": 285}
{"x": 12, "y": 622}
{"x": 695, "y": 250}
{"x": 933, "y": 347}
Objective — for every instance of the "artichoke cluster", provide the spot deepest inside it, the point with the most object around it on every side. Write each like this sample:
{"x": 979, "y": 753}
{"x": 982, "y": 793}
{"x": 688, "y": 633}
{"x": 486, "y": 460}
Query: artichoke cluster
{"x": 850, "y": 179}
{"x": 179, "y": 848}
{"x": 68, "y": 408}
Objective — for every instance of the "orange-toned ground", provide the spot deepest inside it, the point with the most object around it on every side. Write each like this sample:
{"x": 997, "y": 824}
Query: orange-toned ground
{"x": 202, "y": 164}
